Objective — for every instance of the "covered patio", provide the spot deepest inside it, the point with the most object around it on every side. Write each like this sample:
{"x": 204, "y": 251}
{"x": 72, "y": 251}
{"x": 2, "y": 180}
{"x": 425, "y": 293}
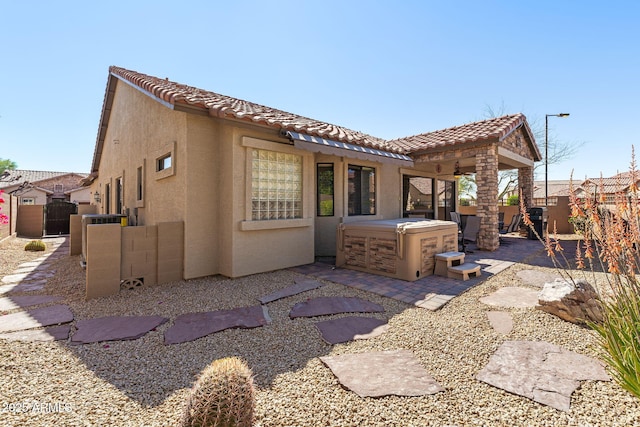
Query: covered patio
{"x": 484, "y": 148}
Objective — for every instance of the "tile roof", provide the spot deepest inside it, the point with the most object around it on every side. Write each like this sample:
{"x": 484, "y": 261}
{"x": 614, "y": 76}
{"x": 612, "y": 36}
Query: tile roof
{"x": 227, "y": 107}
{"x": 183, "y": 97}
{"x": 491, "y": 129}
{"x": 19, "y": 176}
{"x": 610, "y": 185}
{"x": 556, "y": 188}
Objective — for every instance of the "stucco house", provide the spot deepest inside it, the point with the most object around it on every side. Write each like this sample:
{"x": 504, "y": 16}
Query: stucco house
{"x": 259, "y": 189}
{"x": 43, "y": 187}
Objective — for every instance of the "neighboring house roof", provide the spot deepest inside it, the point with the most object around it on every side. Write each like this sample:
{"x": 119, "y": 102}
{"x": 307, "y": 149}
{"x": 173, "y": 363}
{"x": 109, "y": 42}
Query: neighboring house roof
{"x": 495, "y": 129}
{"x": 182, "y": 97}
{"x": 18, "y": 176}
{"x": 556, "y": 188}
{"x": 24, "y": 180}
{"x": 610, "y": 185}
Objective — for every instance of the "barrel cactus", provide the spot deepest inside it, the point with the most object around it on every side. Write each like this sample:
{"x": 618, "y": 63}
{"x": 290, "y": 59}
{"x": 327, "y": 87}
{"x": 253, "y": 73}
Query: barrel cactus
{"x": 223, "y": 396}
{"x": 35, "y": 245}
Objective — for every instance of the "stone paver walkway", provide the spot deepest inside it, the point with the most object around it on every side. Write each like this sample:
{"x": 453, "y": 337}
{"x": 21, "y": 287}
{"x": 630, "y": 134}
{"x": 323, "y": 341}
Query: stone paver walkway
{"x": 432, "y": 292}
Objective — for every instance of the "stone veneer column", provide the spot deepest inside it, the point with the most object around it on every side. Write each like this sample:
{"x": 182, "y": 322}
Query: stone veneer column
{"x": 487, "y": 198}
{"x": 525, "y": 186}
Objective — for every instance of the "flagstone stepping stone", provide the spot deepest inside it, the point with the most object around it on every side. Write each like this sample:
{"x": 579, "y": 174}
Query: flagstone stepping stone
{"x": 536, "y": 277}
{"x": 299, "y": 287}
{"x": 36, "y": 318}
{"x": 500, "y": 321}
{"x": 541, "y": 371}
{"x": 351, "y": 328}
{"x": 55, "y": 333}
{"x": 32, "y": 264}
{"x": 322, "y": 306}
{"x": 114, "y": 328}
{"x": 382, "y": 373}
{"x": 191, "y": 326}
{"x": 23, "y": 287}
{"x": 19, "y": 301}
{"x": 512, "y": 297}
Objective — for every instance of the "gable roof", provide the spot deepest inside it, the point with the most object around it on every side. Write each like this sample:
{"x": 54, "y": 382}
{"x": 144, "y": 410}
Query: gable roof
{"x": 186, "y": 98}
{"x": 490, "y": 130}
{"x": 18, "y": 176}
{"x": 176, "y": 94}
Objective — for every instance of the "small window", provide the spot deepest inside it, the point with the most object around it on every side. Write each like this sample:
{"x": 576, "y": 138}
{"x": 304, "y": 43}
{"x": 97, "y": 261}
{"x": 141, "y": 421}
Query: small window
{"x": 28, "y": 201}
{"x": 58, "y": 188}
{"x": 362, "y": 190}
{"x": 139, "y": 194}
{"x": 324, "y": 181}
{"x": 164, "y": 162}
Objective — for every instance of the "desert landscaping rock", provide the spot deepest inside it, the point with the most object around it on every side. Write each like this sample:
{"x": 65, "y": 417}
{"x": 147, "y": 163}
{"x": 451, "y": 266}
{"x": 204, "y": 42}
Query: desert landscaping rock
{"x": 541, "y": 371}
{"x": 299, "y": 287}
{"x": 36, "y": 318}
{"x": 144, "y": 382}
{"x": 54, "y": 333}
{"x": 512, "y": 297}
{"x": 536, "y": 277}
{"x": 500, "y": 321}
{"x": 382, "y": 373}
{"x": 351, "y": 328}
{"x": 113, "y": 328}
{"x": 322, "y": 306}
{"x": 576, "y": 303}
{"x": 191, "y": 326}
{"x": 21, "y": 301}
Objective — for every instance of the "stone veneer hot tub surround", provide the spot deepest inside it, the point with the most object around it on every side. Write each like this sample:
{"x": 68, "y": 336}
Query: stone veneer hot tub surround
{"x": 401, "y": 248}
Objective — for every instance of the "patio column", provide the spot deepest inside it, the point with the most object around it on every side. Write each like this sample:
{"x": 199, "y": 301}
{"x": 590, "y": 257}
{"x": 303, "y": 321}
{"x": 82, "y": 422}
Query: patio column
{"x": 487, "y": 201}
{"x": 525, "y": 184}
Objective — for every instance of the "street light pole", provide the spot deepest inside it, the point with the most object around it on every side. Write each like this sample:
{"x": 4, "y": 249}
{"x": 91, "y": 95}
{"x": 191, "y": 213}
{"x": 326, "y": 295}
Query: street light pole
{"x": 546, "y": 154}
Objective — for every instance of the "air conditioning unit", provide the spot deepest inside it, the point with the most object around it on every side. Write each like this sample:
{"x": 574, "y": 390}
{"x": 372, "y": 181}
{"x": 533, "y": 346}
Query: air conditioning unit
{"x": 88, "y": 219}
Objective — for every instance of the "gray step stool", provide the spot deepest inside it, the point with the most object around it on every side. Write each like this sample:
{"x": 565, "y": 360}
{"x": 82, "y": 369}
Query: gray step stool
{"x": 446, "y": 260}
{"x": 464, "y": 271}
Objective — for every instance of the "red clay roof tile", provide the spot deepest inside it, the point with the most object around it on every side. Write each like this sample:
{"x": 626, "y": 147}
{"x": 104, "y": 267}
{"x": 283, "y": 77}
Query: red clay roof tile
{"x": 224, "y": 106}
{"x": 490, "y": 129}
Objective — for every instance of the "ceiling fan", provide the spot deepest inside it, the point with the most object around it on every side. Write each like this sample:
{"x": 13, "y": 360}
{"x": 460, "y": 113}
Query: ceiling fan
{"x": 457, "y": 173}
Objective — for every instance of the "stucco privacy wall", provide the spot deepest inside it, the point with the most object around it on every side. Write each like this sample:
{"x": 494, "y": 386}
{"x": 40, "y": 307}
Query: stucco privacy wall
{"x": 30, "y": 221}
{"x": 115, "y": 254}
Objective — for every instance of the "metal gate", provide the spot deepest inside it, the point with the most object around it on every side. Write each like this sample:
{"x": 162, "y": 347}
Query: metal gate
{"x": 57, "y": 217}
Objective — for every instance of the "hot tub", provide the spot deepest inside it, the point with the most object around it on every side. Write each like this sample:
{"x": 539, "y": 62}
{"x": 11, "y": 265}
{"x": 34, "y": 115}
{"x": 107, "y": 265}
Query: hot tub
{"x": 401, "y": 248}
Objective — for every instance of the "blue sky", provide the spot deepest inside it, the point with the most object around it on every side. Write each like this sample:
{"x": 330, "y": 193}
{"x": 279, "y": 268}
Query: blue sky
{"x": 387, "y": 68}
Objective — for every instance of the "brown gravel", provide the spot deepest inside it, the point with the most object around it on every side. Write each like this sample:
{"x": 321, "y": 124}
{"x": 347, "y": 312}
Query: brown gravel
{"x": 145, "y": 383}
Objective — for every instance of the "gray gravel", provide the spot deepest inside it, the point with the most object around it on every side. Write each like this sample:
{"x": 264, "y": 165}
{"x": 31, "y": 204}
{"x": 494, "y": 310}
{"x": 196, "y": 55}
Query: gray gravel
{"x": 145, "y": 383}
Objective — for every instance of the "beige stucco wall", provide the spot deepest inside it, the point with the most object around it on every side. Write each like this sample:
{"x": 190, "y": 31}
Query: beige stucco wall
{"x": 209, "y": 187}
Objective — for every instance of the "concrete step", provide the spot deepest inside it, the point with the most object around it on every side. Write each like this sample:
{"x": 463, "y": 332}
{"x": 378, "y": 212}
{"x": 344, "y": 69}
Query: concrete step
{"x": 464, "y": 271}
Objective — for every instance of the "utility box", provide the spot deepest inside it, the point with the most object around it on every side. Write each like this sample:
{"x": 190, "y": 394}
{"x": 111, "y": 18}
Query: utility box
{"x": 539, "y": 217}
{"x": 401, "y": 248}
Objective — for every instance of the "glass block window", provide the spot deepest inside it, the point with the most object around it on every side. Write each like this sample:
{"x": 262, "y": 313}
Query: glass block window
{"x": 276, "y": 185}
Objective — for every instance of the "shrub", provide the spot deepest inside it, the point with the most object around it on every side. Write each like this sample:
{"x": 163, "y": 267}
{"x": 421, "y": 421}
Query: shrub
{"x": 611, "y": 240}
{"x": 35, "y": 245}
{"x": 223, "y": 396}
{"x": 512, "y": 200}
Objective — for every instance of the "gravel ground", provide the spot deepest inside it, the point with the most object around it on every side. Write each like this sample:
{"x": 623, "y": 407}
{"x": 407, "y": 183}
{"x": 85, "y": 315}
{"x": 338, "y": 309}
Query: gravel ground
{"x": 145, "y": 383}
